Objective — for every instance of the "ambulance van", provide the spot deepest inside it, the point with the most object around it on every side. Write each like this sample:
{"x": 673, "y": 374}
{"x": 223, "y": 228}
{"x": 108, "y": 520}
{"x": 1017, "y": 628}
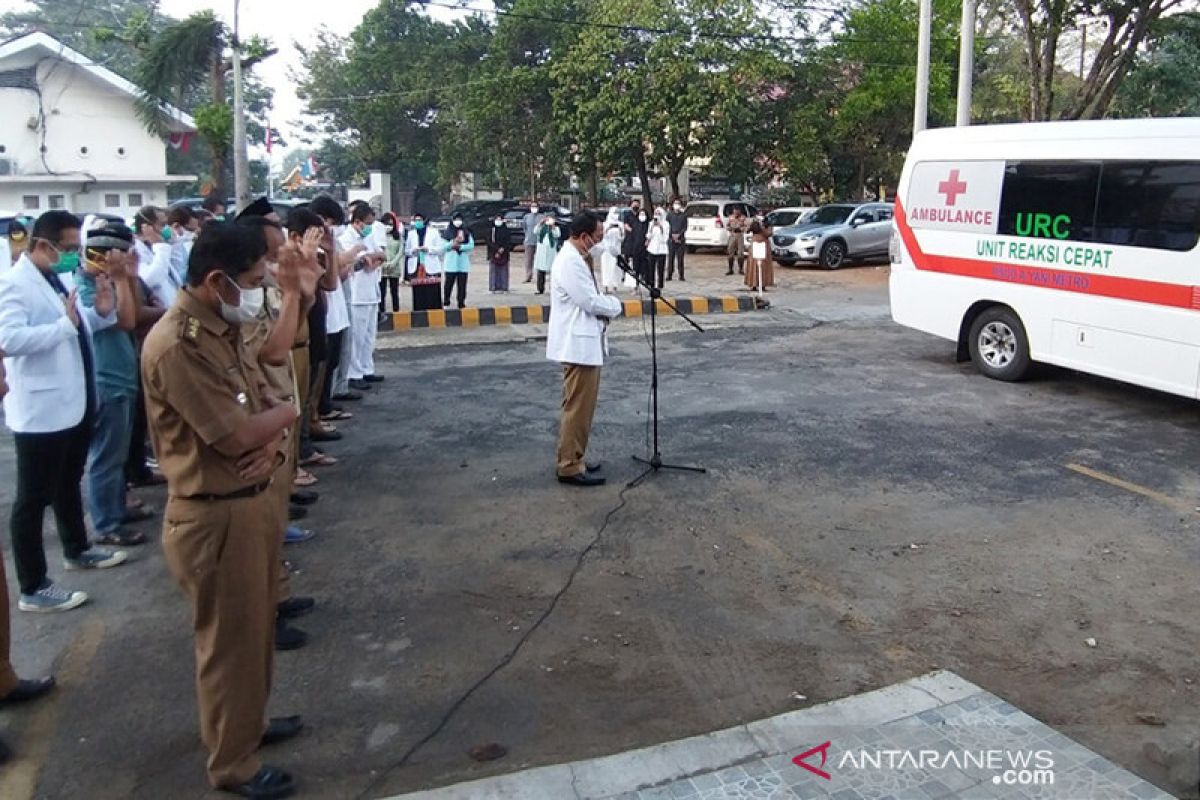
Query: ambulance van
{"x": 1069, "y": 243}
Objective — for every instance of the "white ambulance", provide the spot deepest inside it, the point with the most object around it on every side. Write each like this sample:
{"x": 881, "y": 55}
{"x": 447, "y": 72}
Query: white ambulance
{"x": 1070, "y": 243}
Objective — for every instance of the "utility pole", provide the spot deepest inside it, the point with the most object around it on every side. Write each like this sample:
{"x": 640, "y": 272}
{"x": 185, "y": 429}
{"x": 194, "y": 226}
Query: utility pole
{"x": 1082, "y": 48}
{"x": 966, "y": 64}
{"x": 241, "y": 162}
{"x": 921, "y": 106}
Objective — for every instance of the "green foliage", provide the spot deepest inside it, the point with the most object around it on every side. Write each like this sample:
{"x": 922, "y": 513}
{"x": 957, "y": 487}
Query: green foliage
{"x": 1165, "y": 80}
{"x": 107, "y": 32}
{"x": 214, "y": 122}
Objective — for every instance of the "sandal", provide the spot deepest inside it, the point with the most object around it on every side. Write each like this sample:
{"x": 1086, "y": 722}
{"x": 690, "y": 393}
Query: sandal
{"x": 319, "y": 460}
{"x": 121, "y": 538}
{"x": 336, "y": 415}
{"x": 304, "y": 478}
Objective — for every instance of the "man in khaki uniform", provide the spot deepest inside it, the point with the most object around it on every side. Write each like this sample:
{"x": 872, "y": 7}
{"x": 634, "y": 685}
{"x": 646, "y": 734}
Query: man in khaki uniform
{"x": 220, "y": 437}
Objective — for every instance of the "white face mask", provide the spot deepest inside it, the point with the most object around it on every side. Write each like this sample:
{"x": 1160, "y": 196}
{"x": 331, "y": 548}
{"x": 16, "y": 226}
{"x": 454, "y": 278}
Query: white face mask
{"x": 641, "y": 217}
{"x": 498, "y": 223}
{"x": 678, "y": 207}
{"x": 250, "y": 302}
{"x": 458, "y": 223}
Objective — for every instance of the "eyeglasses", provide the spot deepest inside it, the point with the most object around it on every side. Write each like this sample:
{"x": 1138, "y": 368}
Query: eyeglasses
{"x": 68, "y": 249}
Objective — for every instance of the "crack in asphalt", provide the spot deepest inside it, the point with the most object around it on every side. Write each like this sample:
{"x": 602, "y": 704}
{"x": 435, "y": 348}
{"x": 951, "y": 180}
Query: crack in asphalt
{"x": 506, "y": 659}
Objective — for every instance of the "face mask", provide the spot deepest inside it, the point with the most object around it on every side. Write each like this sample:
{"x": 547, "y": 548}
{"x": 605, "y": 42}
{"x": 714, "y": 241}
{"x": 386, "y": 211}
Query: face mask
{"x": 250, "y": 302}
{"x": 17, "y": 238}
{"x": 67, "y": 262}
{"x": 458, "y": 223}
{"x": 498, "y": 223}
{"x": 678, "y": 207}
{"x": 419, "y": 225}
{"x": 533, "y": 209}
{"x": 641, "y": 217}
{"x": 366, "y": 231}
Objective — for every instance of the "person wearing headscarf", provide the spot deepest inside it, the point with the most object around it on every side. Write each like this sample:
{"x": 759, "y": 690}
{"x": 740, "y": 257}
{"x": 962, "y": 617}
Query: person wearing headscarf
{"x": 610, "y": 272}
{"x": 393, "y": 262}
{"x": 457, "y": 246}
{"x": 498, "y": 250}
{"x": 547, "y": 249}
{"x": 657, "y": 239}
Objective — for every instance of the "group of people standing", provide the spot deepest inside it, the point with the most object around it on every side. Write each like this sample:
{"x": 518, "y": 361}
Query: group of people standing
{"x": 653, "y": 245}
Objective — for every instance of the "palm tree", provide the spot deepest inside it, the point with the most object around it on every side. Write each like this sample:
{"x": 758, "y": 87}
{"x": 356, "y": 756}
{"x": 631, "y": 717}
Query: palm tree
{"x": 175, "y": 68}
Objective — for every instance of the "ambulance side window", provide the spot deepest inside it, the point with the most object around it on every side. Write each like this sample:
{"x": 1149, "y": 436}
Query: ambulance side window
{"x": 1153, "y": 204}
{"x": 1049, "y": 199}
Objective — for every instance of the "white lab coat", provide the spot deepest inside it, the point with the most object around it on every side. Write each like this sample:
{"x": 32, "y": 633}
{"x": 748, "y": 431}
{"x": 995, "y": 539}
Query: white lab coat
{"x": 155, "y": 268}
{"x": 433, "y": 259}
{"x": 576, "y": 333}
{"x": 47, "y": 386}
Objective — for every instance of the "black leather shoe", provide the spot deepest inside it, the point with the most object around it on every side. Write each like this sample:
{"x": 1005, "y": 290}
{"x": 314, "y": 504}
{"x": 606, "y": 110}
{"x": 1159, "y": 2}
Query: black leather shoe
{"x": 359, "y": 386}
{"x": 287, "y": 637}
{"x": 280, "y": 729}
{"x": 304, "y": 497}
{"x": 269, "y": 783}
{"x": 296, "y": 512}
{"x": 581, "y": 480}
{"x": 373, "y": 378}
{"x": 295, "y": 607}
{"x": 595, "y": 466}
{"x": 27, "y": 690}
{"x": 343, "y": 396}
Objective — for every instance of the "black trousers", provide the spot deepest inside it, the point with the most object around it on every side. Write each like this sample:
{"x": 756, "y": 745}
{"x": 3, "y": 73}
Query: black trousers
{"x": 49, "y": 471}
{"x": 675, "y": 251}
{"x": 384, "y": 284}
{"x": 641, "y": 265}
{"x": 335, "y": 358}
{"x": 452, "y": 278}
{"x": 658, "y": 268}
{"x": 136, "y": 470}
{"x": 541, "y": 281}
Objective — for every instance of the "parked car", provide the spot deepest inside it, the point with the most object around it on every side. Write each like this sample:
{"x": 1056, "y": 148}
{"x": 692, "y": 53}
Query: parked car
{"x": 706, "y": 222}
{"x": 782, "y": 217}
{"x": 477, "y": 216}
{"x": 835, "y": 234}
{"x": 514, "y": 219}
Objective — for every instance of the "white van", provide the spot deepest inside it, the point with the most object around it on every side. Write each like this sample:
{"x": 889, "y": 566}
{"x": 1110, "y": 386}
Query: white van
{"x": 707, "y": 220}
{"x": 1070, "y": 243}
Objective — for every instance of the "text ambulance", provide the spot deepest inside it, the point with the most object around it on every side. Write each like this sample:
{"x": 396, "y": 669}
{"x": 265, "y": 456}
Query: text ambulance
{"x": 1071, "y": 243}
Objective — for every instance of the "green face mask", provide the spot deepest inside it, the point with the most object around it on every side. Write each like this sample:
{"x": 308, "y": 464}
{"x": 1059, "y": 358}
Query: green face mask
{"x": 167, "y": 233}
{"x": 67, "y": 262}
{"x": 419, "y": 225}
{"x": 366, "y": 231}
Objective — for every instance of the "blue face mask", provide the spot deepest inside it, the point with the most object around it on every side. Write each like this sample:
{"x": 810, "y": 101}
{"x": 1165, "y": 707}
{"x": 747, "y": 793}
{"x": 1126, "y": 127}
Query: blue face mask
{"x": 366, "y": 231}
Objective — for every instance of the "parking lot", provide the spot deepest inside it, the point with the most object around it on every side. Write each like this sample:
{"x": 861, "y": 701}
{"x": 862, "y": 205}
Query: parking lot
{"x": 872, "y": 510}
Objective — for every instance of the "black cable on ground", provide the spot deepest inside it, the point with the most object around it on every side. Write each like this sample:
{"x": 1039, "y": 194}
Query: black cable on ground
{"x": 508, "y": 657}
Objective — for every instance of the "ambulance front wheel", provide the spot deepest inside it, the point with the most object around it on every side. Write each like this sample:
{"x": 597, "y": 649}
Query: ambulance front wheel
{"x": 999, "y": 346}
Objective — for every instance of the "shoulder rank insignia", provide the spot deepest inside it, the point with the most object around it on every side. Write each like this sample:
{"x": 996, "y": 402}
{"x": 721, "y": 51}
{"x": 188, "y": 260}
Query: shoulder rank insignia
{"x": 192, "y": 328}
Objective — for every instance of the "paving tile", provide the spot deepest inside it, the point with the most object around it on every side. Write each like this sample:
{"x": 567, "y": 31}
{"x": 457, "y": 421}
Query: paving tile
{"x": 684, "y": 789}
{"x": 707, "y": 781}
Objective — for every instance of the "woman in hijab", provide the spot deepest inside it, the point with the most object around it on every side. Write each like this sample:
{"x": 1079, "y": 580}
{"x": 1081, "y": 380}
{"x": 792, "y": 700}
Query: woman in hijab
{"x": 458, "y": 246}
{"x": 393, "y": 263}
{"x": 423, "y": 265}
{"x": 610, "y": 273}
{"x": 498, "y": 250}
{"x": 547, "y": 248}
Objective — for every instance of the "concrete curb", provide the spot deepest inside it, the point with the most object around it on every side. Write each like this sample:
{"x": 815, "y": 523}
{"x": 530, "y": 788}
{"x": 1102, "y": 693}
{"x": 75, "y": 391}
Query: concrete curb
{"x": 524, "y": 315}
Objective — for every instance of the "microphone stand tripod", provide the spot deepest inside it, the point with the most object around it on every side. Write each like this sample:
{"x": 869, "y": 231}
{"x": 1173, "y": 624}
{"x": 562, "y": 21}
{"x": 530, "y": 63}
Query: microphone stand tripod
{"x": 655, "y": 462}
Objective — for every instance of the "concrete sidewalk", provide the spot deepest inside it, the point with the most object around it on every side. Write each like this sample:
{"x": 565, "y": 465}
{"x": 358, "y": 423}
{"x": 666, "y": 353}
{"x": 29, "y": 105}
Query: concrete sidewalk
{"x": 936, "y": 736}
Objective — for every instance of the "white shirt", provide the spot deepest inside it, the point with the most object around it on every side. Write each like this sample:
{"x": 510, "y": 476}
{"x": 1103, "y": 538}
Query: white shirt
{"x": 576, "y": 334}
{"x": 154, "y": 267}
{"x": 337, "y": 318}
{"x": 364, "y": 283}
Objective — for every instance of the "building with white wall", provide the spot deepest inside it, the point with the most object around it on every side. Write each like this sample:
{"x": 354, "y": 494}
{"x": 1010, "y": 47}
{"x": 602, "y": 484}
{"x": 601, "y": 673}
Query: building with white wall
{"x": 70, "y": 136}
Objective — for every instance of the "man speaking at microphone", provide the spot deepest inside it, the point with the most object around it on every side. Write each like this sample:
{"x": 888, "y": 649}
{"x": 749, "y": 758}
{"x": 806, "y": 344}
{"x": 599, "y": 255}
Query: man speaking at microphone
{"x": 579, "y": 317}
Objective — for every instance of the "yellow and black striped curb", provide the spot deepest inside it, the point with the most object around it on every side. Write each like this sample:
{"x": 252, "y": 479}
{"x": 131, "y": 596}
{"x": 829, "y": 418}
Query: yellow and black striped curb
{"x": 525, "y": 315}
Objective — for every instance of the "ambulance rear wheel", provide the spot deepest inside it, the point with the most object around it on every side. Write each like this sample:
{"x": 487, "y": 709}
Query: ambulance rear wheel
{"x": 999, "y": 345}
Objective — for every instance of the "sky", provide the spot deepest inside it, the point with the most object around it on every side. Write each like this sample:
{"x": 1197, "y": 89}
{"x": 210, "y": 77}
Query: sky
{"x": 283, "y": 22}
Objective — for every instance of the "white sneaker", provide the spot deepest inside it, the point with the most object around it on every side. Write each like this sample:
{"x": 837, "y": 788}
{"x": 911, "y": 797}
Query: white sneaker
{"x": 96, "y": 558}
{"x": 50, "y": 598}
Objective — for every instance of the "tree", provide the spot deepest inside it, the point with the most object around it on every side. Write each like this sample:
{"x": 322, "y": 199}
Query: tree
{"x": 1043, "y": 24}
{"x": 1165, "y": 78}
{"x": 191, "y": 60}
{"x": 83, "y": 27}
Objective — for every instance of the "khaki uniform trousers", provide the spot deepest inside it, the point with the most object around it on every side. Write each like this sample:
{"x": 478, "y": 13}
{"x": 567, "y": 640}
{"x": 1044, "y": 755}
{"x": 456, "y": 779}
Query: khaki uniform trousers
{"x": 581, "y": 386}
{"x": 8, "y": 676}
{"x": 225, "y": 555}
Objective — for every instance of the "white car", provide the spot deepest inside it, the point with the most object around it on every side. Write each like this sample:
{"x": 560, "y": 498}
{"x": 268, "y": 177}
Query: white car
{"x": 706, "y": 222}
{"x": 783, "y": 217}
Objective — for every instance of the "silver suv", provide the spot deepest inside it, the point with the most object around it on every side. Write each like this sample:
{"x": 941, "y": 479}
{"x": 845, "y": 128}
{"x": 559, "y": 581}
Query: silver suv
{"x": 835, "y": 234}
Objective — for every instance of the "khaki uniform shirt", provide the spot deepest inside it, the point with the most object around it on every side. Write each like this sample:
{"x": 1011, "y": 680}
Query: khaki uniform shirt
{"x": 201, "y": 384}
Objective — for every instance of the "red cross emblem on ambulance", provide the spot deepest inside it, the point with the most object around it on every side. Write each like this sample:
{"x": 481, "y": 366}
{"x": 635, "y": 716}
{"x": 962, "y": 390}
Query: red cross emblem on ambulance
{"x": 952, "y": 187}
